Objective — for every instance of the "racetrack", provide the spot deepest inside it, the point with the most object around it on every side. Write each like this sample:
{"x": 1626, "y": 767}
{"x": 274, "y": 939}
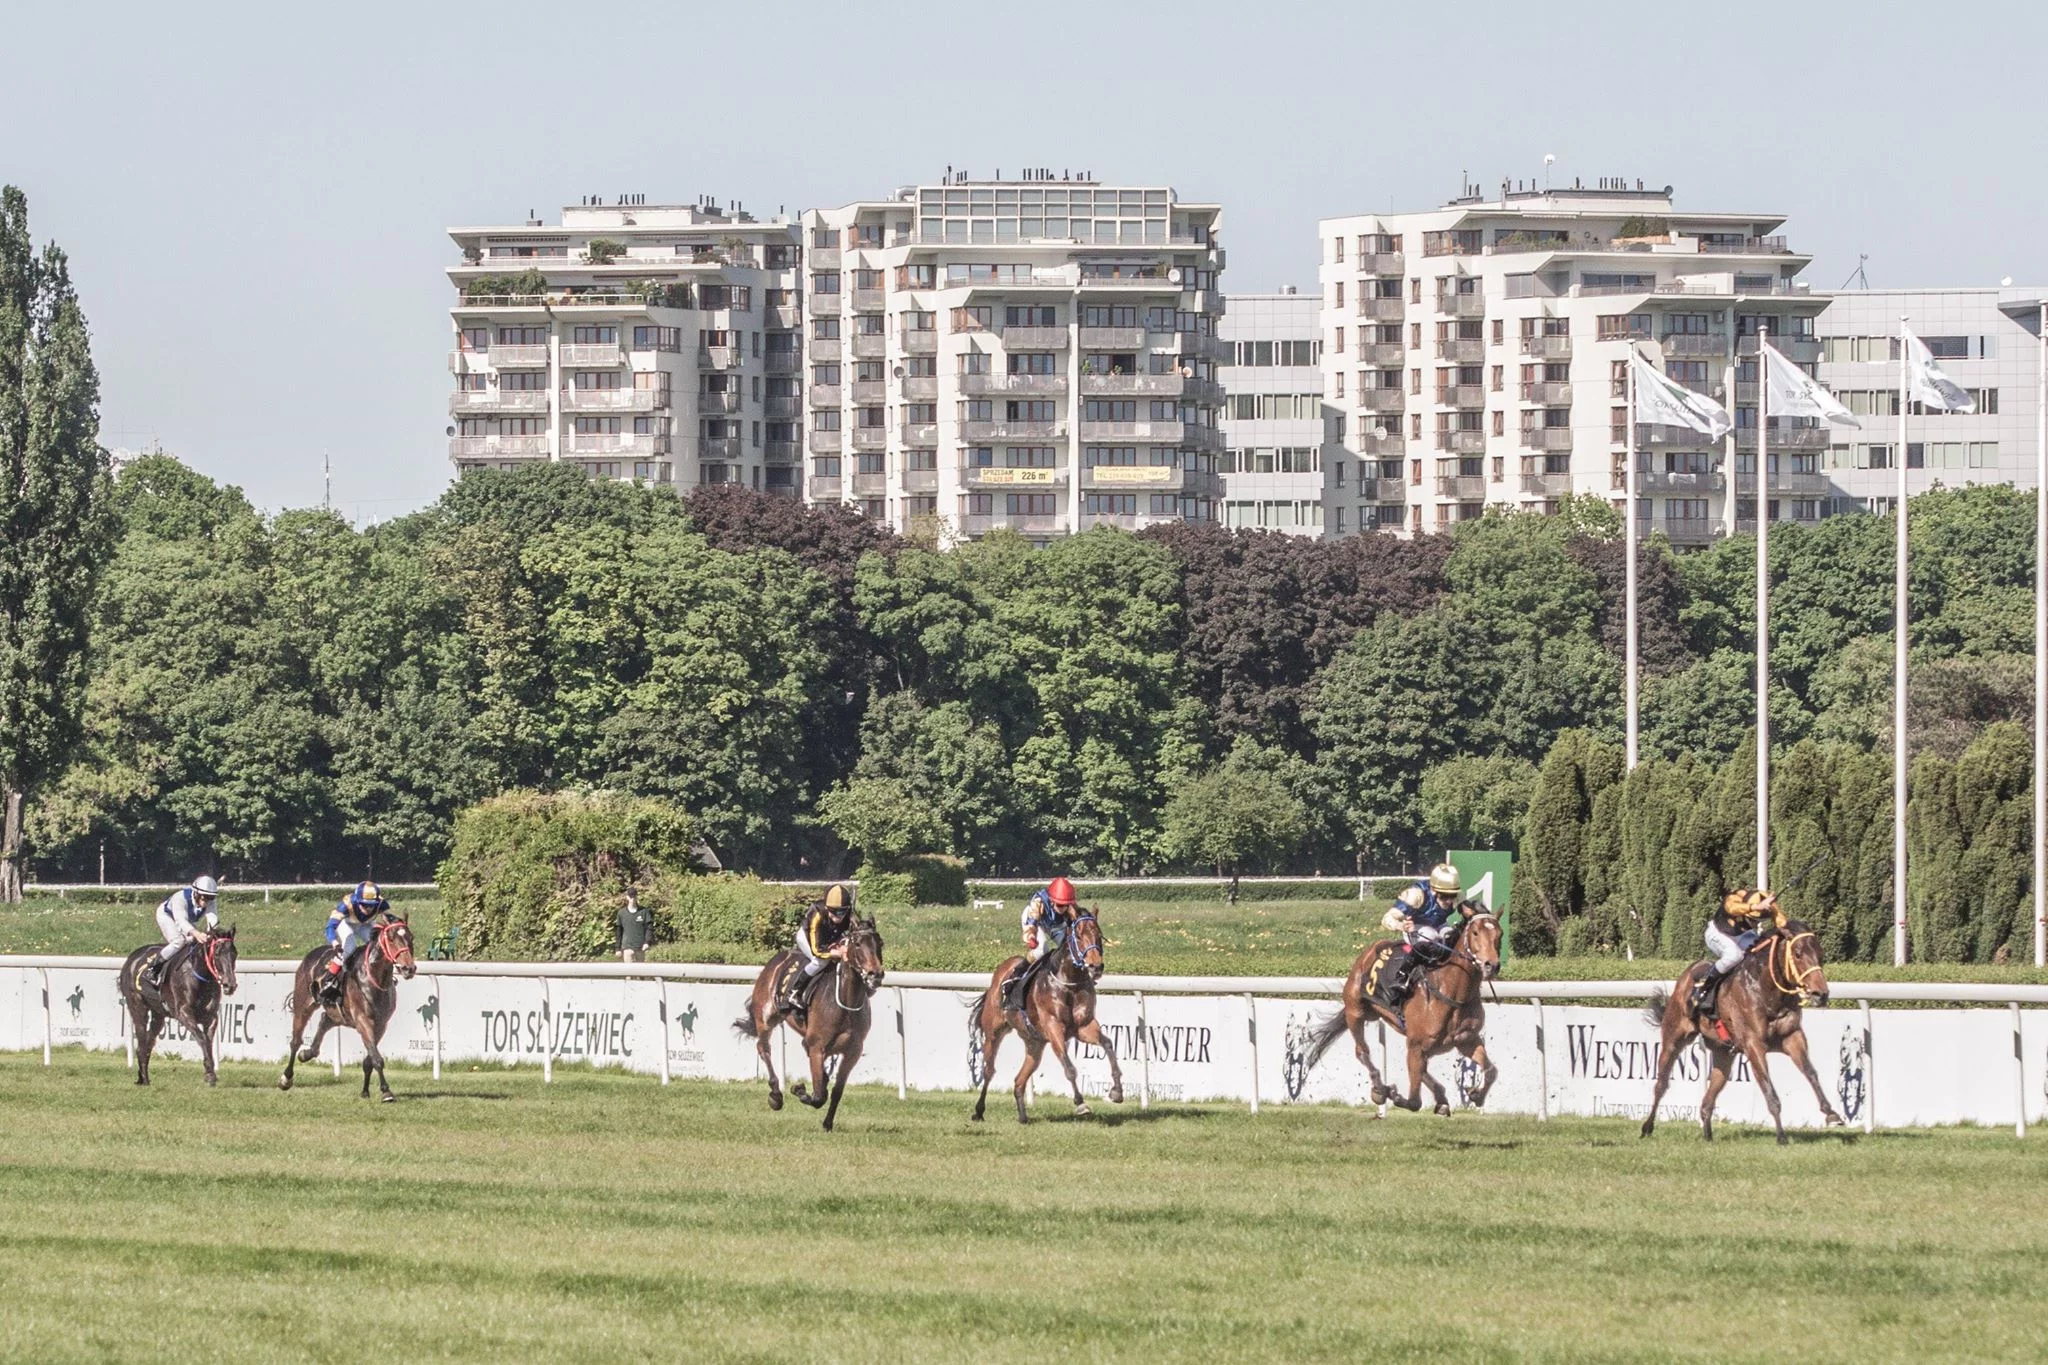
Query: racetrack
{"x": 489, "y": 1217}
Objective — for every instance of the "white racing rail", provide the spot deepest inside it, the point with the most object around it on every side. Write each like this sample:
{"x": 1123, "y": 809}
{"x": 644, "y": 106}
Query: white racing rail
{"x": 1130, "y": 995}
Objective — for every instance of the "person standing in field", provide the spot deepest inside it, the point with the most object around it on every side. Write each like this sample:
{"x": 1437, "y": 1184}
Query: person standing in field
{"x": 636, "y": 930}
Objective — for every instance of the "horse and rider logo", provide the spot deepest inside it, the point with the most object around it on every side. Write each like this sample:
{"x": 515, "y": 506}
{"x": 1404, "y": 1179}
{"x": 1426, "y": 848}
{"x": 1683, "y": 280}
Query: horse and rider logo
{"x": 1294, "y": 1064}
{"x": 686, "y": 1023}
{"x": 430, "y": 1011}
{"x": 1852, "y": 1085}
{"x": 77, "y": 1001}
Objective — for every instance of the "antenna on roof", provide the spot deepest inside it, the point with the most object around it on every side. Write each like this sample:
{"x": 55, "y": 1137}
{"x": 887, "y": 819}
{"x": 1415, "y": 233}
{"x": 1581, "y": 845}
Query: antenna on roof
{"x": 1857, "y": 274}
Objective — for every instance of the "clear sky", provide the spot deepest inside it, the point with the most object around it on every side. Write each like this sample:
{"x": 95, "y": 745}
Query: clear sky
{"x": 255, "y": 198}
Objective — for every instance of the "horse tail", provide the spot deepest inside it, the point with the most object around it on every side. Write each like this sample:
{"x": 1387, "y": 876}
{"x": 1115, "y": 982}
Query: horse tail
{"x": 1654, "y": 1007}
{"x": 1328, "y": 1031}
{"x": 745, "y": 1026}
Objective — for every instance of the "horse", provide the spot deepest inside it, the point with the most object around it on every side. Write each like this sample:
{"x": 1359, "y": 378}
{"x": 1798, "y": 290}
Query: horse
{"x": 1053, "y": 1008}
{"x": 191, "y": 994}
{"x": 1444, "y": 1012}
{"x": 834, "y": 1021}
{"x": 1757, "y": 1011}
{"x": 369, "y": 994}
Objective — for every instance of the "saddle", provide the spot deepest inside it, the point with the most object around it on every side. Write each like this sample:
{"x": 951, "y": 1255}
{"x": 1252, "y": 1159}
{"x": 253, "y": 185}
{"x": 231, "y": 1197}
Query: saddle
{"x": 800, "y": 1001}
{"x": 1013, "y": 992}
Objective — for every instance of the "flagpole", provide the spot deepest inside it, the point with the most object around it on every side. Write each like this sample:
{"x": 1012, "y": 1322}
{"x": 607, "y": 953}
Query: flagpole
{"x": 1764, "y": 608}
{"x": 1899, "y": 621}
{"x": 2041, "y": 649}
{"x": 1629, "y": 577}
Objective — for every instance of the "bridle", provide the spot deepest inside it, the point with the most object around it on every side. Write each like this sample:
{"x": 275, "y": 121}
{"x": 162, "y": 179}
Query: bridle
{"x": 867, "y": 992}
{"x": 1459, "y": 950}
{"x": 1790, "y": 980}
{"x": 212, "y": 962}
{"x": 1076, "y": 954}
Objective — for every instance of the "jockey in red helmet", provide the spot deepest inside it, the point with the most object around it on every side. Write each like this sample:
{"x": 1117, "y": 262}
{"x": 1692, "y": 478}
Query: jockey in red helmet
{"x": 1047, "y": 917}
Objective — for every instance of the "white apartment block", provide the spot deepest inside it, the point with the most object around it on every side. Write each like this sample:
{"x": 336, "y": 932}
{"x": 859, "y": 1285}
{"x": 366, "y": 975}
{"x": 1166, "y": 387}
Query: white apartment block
{"x": 1272, "y": 463}
{"x": 1039, "y": 354}
{"x": 661, "y": 343}
{"x": 1474, "y": 357}
{"x": 1984, "y": 339}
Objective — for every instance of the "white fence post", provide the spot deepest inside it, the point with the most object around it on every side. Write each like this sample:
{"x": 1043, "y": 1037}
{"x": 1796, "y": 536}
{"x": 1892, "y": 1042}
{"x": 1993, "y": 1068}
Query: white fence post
{"x": 1385, "y": 1070}
{"x": 902, "y": 1051}
{"x": 1542, "y": 1069}
{"x": 2019, "y": 1075}
{"x": 338, "y": 1030}
{"x": 547, "y": 1026}
{"x": 45, "y": 973}
{"x": 1869, "y": 1072}
{"x": 1251, "y": 1025}
{"x": 1144, "y": 1057}
{"x": 439, "y": 1004}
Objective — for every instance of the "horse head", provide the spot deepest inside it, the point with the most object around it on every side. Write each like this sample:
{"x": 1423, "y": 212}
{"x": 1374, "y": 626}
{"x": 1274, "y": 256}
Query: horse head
{"x": 864, "y": 952}
{"x": 1480, "y": 938}
{"x": 394, "y": 940}
{"x": 1795, "y": 964}
{"x": 220, "y": 958}
{"x": 1084, "y": 944}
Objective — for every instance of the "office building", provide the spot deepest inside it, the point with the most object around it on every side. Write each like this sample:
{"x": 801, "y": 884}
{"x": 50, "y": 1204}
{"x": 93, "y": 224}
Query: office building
{"x": 1037, "y": 353}
{"x": 1475, "y": 356}
{"x": 654, "y": 342}
{"x": 1272, "y": 463}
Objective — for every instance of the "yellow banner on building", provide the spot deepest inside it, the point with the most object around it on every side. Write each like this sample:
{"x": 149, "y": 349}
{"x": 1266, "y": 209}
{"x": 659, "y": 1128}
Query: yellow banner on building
{"x": 1132, "y": 473}
{"x": 994, "y": 476}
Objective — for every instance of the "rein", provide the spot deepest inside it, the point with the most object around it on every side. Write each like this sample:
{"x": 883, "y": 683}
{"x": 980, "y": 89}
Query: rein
{"x": 1790, "y": 981}
{"x": 212, "y": 965}
{"x": 1459, "y": 950}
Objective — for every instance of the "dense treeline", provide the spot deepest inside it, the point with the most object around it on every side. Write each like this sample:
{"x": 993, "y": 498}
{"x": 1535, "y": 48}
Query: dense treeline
{"x": 289, "y": 696}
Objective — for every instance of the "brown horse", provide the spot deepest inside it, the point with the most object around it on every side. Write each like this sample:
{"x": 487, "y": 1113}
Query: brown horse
{"x": 369, "y": 994}
{"x": 1757, "y": 1011}
{"x": 833, "y": 1023}
{"x": 1443, "y": 1012}
{"x": 1054, "y": 1008}
{"x": 191, "y": 994}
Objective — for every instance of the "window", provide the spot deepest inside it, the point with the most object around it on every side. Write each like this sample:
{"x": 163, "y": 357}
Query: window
{"x": 920, "y": 367}
{"x": 1030, "y": 410}
{"x": 973, "y": 362}
{"x": 473, "y": 339}
{"x": 1030, "y": 316}
{"x": 1103, "y": 315}
{"x": 912, "y": 277}
{"x": 868, "y": 419}
{"x": 526, "y": 381}
{"x": 1111, "y": 455}
{"x": 978, "y": 319}
{"x": 980, "y": 504}
{"x": 824, "y": 329}
{"x": 1111, "y": 410}
{"x": 1165, "y": 504}
{"x": 869, "y": 324}
{"x": 657, "y": 338}
{"x": 1030, "y": 457}
{"x": 825, "y": 376}
{"x": 1110, "y": 504}
{"x": 594, "y": 334}
{"x": 1031, "y": 504}
{"x": 867, "y": 371}
{"x": 917, "y": 321}
{"x": 870, "y": 279}
{"x": 824, "y": 282}
{"x": 522, "y": 336}
{"x": 870, "y": 463}
{"x": 1337, "y": 246}
{"x": 825, "y": 419}
{"x": 1033, "y": 362}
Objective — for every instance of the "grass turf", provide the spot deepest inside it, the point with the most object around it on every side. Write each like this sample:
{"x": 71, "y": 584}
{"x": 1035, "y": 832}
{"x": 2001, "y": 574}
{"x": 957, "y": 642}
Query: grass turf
{"x": 487, "y": 1216}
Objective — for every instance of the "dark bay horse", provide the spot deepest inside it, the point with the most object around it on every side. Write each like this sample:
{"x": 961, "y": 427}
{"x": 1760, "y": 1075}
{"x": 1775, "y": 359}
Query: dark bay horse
{"x": 1443, "y": 1011}
{"x": 1757, "y": 1011}
{"x": 191, "y": 994}
{"x": 369, "y": 994}
{"x": 1054, "y": 1009}
{"x": 835, "y": 1019}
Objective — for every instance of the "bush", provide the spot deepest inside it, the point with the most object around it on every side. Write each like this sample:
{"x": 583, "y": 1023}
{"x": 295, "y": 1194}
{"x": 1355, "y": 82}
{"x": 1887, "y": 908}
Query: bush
{"x": 927, "y": 879}
{"x": 724, "y": 909}
{"x": 541, "y": 875}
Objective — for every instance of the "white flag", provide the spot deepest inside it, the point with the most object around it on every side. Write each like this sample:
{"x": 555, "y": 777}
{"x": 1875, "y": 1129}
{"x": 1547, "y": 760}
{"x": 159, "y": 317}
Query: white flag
{"x": 1927, "y": 384}
{"x": 1791, "y": 392}
{"x": 1664, "y": 401}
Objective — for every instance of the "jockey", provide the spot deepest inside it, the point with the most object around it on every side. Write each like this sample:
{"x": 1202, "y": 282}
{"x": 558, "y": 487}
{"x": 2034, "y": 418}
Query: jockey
{"x": 1047, "y": 917}
{"x": 348, "y": 928}
{"x": 1731, "y": 933}
{"x": 178, "y": 920}
{"x": 819, "y": 939}
{"x": 1422, "y": 916}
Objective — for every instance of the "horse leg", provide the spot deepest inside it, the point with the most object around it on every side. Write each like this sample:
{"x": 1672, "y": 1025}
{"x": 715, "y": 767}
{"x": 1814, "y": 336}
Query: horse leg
{"x": 761, "y": 1037}
{"x": 300, "y": 1013}
{"x": 991, "y": 1044}
{"x": 1474, "y": 1049}
{"x": 1033, "y": 1051}
{"x": 1381, "y": 1091}
{"x": 145, "y": 1044}
{"x": 1418, "y": 1076}
{"x": 815, "y": 1095}
{"x": 1673, "y": 1042}
{"x": 1720, "y": 1062}
{"x": 846, "y": 1061}
{"x": 1760, "y": 1063}
{"x": 205, "y": 1036}
{"x": 1795, "y": 1047}
{"x": 1057, "y": 1037}
{"x": 1092, "y": 1033}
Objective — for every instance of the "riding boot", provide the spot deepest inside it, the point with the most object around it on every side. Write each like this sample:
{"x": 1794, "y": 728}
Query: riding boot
{"x": 330, "y": 985}
{"x": 791, "y": 1002}
{"x": 1703, "y": 990}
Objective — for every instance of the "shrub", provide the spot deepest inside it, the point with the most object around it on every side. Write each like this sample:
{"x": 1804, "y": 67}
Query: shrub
{"x": 725, "y": 909}
{"x": 928, "y": 879}
{"x": 529, "y": 281}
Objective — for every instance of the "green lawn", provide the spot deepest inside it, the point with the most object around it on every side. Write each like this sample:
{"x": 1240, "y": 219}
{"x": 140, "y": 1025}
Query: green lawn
{"x": 490, "y": 1217}
{"x": 285, "y": 927}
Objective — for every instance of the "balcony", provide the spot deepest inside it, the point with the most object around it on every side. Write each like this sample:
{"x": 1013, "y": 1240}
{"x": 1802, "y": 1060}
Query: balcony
{"x": 1546, "y": 438}
{"x": 784, "y": 405}
{"x": 784, "y": 362}
{"x": 1695, "y": 344}
{"x": 719, "y": 357}
{"x": 1462, "y": 395}
{"x": 583, "y": 355}
{"x": 1801, "y": 350}
{"x": 1013, "y": 383}
{"x": 870, "y": 347}
{"x": 1461, "y": 487}
{"x": 1800, "y": 483}
{"x": 782, "y": 452}
{"x": 825, "y": 305}
{"x": 496, "y": 447}
{"x": 1540, "y": 483}
{"x": 999, "y": 476}
{"x": 824, "y": 258}
{"x": 782, "y": 318}
{"x": 920, "y": 480}
{"x": 1012, "y": 431}
{"x": 921, "y": 388}
{"x": 867, "y": 300}
{"x": 498, "y": 400}
{"x": 1551, "y": 393}
{"x": 981, "y": 525}
{"x": 517, "y": 357}
{"x": 1120, "y": 478}
{"x": 1383, "y": 400}
{"x": 1382, "y": 353}
{"x": 824, "y": 395}
{"x": 1691, "y": 530}
{"x": 824, "y": 488}
{"x": 1462, "y": 442}
{"x": 1696, "y": 482}
{"x": 920, "y": 433}
{"x": 714, "y": 403}
{"x": 826, "y": 442}
{"x": 870, "y": 438}
{"x": 1382, "y": 310}
{"x": 1035, "y": 338}
{"x": 823, "y": 348}
{"x": 615, "y": 443}
{"x": 1112, "y": 338}
{"x": 923, "y": 342}
{"x": 1461, "y": 305}
{"x": 1383, "y": 263}
{"x": 1547, "y": 348}
{"x": 870, "y": 485}
{"x": 719, "y": 448}
{"x": 1385, "y": 447}
{"x": 867, "y": 392}
{"x": 1785, "y": 438}
{"x": 1133, "y": 431}
{"x": 613, "y": 400}
{"x": 1136, "y": 385}
{"x": 1464, "y": 350}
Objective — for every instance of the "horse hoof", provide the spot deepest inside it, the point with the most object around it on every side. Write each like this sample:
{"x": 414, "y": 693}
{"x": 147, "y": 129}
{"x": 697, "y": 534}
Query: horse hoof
{"x": 1116, "y": 1096}
{"x": 1784, "y": 1141}
{"x": 1082, "y": 1111}
{"x": 798, "y": 1091}
{"x": 1380, "y": 1094}
{"x": 284, "y": 1082}
{"x": 1834, "y": 1121}
{"x": 1647, "y": 1129}
{"x": 212, "y": 1080}
{"x": 387, "y": 1098}
{"x": 775, "y": 1102}
{"x": 1443, "y": 1110}
{"x": 975, "y": 1117}
{"x": 307, "y": 1055}
{"x": 828, "y": 1125}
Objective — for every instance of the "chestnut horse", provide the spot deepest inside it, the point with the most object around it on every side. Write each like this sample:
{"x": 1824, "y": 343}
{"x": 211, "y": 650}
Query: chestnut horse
{"x": 1055, "y": 1007}
{"x": 369, "y": 994}
{"x": 191, "y": 994}
{"x": 835, "y": 1020}
{"x": 1757, "y": 1011}
{"x": 1443, "y": 1012}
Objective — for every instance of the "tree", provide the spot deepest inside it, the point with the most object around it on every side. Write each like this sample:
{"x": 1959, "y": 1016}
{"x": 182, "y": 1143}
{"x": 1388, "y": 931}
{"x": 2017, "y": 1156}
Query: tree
{"x": 884, "y": 819}
{"x": 1475, "y": 801}
{"x": 1231, "y": 818}
{"x": 55, "y": 529}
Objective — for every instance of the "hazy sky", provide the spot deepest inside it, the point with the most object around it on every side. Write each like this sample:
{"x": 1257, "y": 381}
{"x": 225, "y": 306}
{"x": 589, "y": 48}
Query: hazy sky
{"x": 254, "y": 198}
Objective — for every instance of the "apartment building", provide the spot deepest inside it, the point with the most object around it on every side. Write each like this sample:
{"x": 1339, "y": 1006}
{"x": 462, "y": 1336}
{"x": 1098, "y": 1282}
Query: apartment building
{"x": 1984, "y": 339}
{"x": 1037, "y": 353}
{"x": 1272, "y": 462}
{"x": 661, "y": 343}
{"x": 1474, "y": 356}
